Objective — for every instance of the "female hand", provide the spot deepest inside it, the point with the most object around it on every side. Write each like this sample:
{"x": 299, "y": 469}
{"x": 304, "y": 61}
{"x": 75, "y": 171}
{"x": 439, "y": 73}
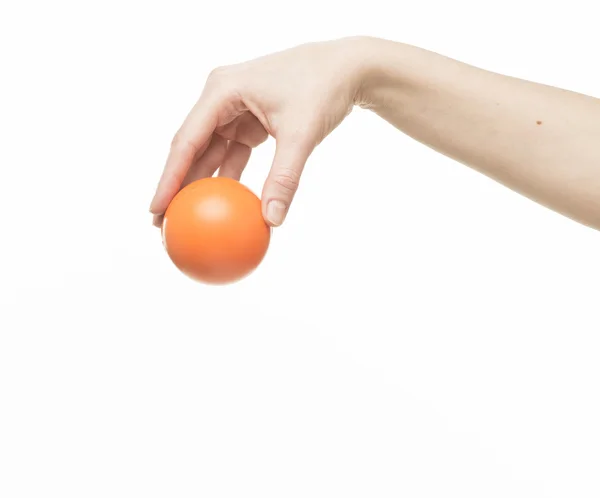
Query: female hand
{"x": 298, "y": 96}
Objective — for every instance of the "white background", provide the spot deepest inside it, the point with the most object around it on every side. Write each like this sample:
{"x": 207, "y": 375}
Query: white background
{"x": 416, "y": 329}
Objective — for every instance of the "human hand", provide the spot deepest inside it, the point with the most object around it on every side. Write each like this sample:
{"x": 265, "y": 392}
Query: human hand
{"x": 298, "y": 96}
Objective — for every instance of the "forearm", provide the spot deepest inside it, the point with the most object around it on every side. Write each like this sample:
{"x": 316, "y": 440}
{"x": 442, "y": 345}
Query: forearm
{"x": 541, "y": 141}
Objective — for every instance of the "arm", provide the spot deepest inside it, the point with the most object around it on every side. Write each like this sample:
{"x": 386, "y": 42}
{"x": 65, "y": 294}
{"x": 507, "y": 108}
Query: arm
{"x": 540, "y": 141}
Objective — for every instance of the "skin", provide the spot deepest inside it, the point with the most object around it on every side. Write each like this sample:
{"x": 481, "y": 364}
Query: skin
{"x": 540, "y": 141}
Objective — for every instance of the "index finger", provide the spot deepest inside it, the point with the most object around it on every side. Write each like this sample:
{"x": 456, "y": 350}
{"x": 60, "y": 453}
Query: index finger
{"x": 189, "y": 142}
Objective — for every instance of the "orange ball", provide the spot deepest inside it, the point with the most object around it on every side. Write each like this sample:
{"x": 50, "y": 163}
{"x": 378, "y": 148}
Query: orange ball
{"x": 214, "y": 231}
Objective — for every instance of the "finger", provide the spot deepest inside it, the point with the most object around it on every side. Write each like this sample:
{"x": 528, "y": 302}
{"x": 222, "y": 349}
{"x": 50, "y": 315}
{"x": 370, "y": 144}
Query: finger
{"x": 245, "y": 129}
{"x": 235, "y": 160}
{"x": 204, "y": 167}
{"x": 157, "y": 220}
{"x": 291, "y": 154}
{"x": 188, "y": 144}
{"x": 209, "y": 162}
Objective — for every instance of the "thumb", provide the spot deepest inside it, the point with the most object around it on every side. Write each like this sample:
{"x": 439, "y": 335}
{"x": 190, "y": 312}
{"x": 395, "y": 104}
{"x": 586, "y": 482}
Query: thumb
{"x": 291, "y": 154}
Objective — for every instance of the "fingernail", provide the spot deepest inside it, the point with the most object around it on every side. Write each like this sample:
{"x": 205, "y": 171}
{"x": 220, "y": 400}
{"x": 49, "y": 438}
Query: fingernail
{"x": 275, "y": 212}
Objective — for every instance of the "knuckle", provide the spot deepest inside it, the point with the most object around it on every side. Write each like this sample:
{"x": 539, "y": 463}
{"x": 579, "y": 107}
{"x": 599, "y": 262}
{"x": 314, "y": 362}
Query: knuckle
{"x": 180, "y": 142}
{"x": 262, "y": 137}
{"x": 223, "y": 74}
{"x": 252, "y": 135}
{"x": 218, "y": 73}
{"x": 222, "y": 82}
{"x": 287, "y": 180}
{"x": 176, "y": 140}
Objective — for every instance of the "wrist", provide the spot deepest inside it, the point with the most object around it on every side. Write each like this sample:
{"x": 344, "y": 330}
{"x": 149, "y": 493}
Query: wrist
{"x": 360, "y": 68}
{"x": 387, "y": 68}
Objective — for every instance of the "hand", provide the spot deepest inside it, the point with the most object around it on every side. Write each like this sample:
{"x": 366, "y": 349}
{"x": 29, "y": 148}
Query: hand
{"x": 298, "y": 96}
